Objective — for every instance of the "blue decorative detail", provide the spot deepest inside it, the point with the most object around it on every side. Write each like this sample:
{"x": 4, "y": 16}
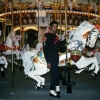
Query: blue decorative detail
{"x": 98, "y": 35}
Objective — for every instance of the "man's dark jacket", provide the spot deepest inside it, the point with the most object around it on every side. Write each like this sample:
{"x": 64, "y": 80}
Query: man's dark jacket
{"x": 52, "y": 45}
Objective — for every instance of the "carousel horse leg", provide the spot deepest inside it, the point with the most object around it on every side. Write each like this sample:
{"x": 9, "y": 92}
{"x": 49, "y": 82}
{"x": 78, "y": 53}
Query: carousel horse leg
{"x": 33, "y": 76}
{"x": 2, "y": 72}
{"x": 42, "y": 81}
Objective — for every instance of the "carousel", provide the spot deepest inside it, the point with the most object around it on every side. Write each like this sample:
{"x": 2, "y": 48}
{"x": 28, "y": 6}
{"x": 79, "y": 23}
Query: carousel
{"x": 26, "y": 21}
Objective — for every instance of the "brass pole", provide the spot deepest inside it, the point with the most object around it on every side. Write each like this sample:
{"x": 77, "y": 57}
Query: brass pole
{"x": 99, "y": 13}
{"x": 6, "y": 2}
{"x": 66, "y": 8}
{"x": 38, "y": 20}
{"x": 12, "y": 45}
{"x": 20, "y": 24}
{"x": 72, "y": 13}
{"x": 55, "y": 10}
{"x": 60, "y": 18}
{"x": 88, "y": 10}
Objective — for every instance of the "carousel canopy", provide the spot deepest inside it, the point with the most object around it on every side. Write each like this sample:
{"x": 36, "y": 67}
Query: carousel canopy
{"x": 25, "y": 12}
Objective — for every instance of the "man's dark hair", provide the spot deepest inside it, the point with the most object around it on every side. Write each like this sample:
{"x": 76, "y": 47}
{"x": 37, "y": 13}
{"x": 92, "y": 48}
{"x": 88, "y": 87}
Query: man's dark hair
{"x": 53, "y": 22}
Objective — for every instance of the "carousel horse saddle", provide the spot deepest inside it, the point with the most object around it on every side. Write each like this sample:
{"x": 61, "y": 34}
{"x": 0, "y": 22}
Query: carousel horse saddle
{"x": 76, "y": 55}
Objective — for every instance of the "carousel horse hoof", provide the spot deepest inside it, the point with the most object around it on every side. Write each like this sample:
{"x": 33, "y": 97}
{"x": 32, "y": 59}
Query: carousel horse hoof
{"x": 57, "y": 96}
{"x": 26, "y": 77}
{"x": 94, "y": 75}
{"x": 37, "y": 87}
{"x": 42, "y": 86}
{"x": 58, "y": 92}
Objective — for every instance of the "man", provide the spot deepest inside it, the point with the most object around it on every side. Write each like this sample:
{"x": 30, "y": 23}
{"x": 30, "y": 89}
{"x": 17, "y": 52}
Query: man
{"x": 51, "y": 48}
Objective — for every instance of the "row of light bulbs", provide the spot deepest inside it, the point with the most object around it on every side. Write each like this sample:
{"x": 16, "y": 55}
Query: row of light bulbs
{"x": 50, "y": 11}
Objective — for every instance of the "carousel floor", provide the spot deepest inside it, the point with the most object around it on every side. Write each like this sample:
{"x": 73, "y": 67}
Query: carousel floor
{"x": 85, "y": 88}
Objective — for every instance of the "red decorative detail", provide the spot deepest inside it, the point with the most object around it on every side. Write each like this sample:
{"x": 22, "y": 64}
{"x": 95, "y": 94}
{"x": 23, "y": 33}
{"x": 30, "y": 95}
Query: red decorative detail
{"x": 56, "y": 39}
{"x": 7, "y": 48}
{"x": 86, "y": 34}
{"x": 2, "y": 47}
{"x": 16, "y": 48}
{"x": 75, "y": 58}
{"x": 98, "y": 27}
{"x": 44, "y": 38}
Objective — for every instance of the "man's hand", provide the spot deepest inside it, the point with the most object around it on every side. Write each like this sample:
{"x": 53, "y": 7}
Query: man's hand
{"x": 49, "y": 65}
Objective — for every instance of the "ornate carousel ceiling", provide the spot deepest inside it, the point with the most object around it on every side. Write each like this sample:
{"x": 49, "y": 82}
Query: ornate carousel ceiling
{"x": 24, "y": 11}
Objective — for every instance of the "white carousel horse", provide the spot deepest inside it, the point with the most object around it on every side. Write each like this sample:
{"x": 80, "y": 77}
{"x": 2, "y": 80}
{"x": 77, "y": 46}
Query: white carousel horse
{"x": 9, "y": 48}
{"x": 77, "y": 59}
{"x": 33, "y": 67}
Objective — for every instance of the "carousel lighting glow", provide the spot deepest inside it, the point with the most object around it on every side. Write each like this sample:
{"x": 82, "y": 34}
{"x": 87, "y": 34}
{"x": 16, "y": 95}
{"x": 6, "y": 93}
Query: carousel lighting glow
{"x": 26, "y": 28}
{"x": 49, "y": 11}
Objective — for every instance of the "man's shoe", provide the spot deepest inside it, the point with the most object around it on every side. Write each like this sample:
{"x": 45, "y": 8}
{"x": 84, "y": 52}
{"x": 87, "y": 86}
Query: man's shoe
{"x": 57, "y": 96}
{"x": 58, "y": 93}
{"x": 94, "y": 75}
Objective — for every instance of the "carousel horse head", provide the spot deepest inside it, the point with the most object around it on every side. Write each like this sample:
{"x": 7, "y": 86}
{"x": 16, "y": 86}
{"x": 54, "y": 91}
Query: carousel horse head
{"x": 92, "y": 37}
{"x": 84, "y": 27}
{"x": 17, "y": 37}
{"x": 9, "y": 39}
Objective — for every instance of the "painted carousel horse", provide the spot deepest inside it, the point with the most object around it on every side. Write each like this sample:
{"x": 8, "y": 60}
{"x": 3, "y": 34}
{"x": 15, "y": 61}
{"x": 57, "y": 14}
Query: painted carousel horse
{"x": 9, "y": 47}
{"x": 96, "y": 52}
{"x": 77, "y": 48}
{"x": 33, "y": 67}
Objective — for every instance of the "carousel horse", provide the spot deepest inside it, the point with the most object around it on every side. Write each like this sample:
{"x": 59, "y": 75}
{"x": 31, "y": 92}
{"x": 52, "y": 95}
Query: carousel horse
{"x": 9, "y": 47}
{"x": 33, "y": 67}
{"x": 77, "y": 48}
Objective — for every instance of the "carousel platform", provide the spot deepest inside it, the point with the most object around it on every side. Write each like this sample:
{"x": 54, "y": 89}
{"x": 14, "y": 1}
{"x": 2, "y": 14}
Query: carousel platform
{"x": 85, "y": 88}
